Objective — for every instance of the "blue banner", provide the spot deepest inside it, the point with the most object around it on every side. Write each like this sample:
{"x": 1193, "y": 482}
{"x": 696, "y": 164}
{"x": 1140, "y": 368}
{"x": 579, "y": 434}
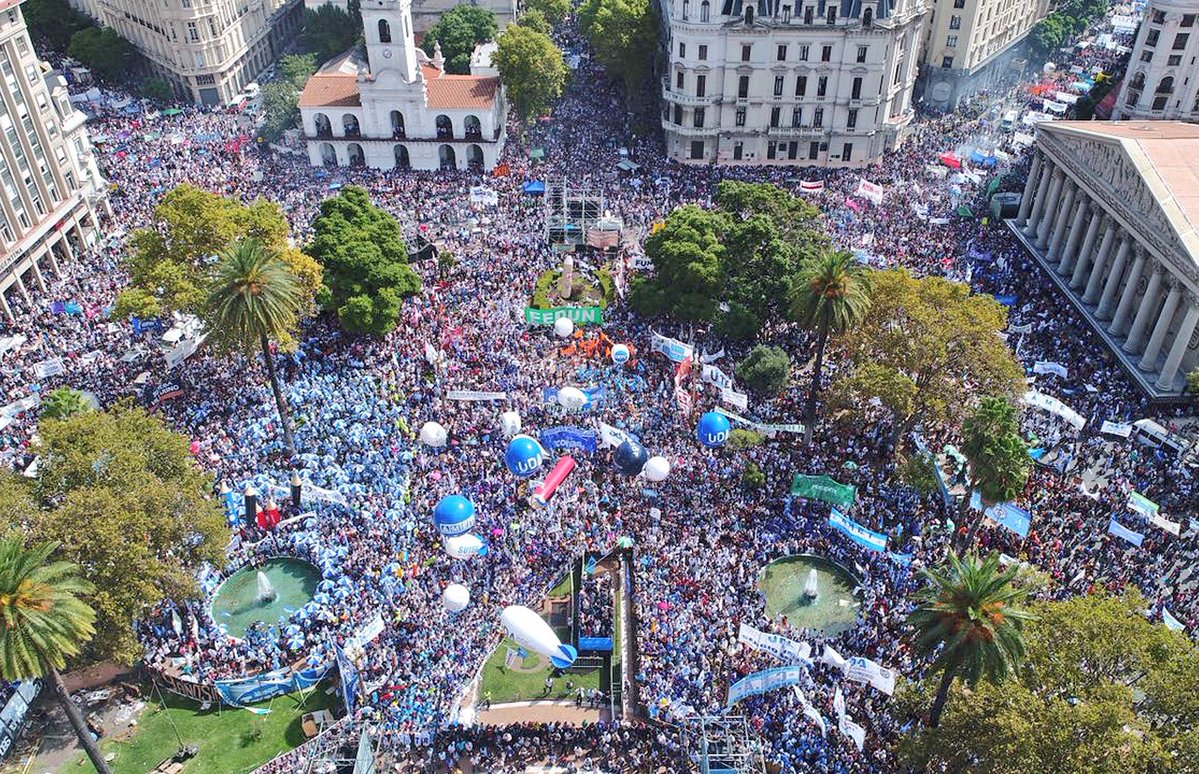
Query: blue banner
{"x": 595, "y": 396}
{"x": 570, "y": 438}
{"x": 1015, "y": 519}
{"x": 601, "y": 644}
{"x": 763, "y": 682}
{"x": 1119, "y": 530}
{"x": 866, "y": 538}
{"x": 901, "y": 559}
{"x": 250, "y": 690}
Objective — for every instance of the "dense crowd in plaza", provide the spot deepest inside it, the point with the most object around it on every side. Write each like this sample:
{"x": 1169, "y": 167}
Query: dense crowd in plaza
{"x": 701, "y": 539}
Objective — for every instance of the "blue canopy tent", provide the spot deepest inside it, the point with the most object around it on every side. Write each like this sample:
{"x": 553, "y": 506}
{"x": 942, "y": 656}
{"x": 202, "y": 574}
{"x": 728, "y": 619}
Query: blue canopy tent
{"x": 535, "y": 188}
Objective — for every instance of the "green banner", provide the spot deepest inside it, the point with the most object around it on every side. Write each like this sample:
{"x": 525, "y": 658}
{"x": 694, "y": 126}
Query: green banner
{"x": 580, "y": 315}
{"x": 823, "y": 488}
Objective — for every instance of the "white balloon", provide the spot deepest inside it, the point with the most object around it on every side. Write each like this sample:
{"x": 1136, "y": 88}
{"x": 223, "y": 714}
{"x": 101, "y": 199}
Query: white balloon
{"x": 464, "y": 546}
{"x": 563, "y": 327}
{"x": 510, "y": 423}
{"x": 572, "y": 397}
{"x": 456, "y": 597}
{"x": 656, "y": 469}
{"x": 433, "y": 434}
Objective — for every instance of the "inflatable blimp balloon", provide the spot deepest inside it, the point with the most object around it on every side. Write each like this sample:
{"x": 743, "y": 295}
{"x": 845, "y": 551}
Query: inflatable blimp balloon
{"x": 524, "y": 456}
{"x": 713, "y": 429}
{"x": 509, "y": 423}
{"x": 456, "y": 597}
{"x": 454, "y": 515}
{"x": 465, "y": 546}
{"x": 433, "y": 434}
{"x": 620, "y": 354}
{"x": 630, "y": 458}
{"x": 572, "y": 397}
{"x": 532, "y": 632}
{"x": 657, "y": 469}
{"x": 563, "y": 327}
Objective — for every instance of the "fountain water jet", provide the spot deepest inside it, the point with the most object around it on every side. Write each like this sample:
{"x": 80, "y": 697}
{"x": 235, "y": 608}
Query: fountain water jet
{"x": 266, "y": 591}
{"x": 810, "y": 587}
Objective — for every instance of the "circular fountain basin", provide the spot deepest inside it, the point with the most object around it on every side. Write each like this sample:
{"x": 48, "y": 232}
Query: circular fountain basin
{"x": 236, "y": 603}
{"x": 835, "y": 608}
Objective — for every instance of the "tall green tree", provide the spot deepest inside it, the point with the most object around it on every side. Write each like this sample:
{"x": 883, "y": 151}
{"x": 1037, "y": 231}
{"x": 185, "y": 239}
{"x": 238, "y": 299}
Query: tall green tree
{"x": 926, "y": 349}
{"x": 554, "y": 10}
{"x": 623, "y": 35}
{"x": 765, "y": 369}
{"x": 688, "y": 258}
{"x": 458, "y": 31}
{"x": 43, "y": 622}
{"x": 996, "y": 454}
{"x": 531, "y": 68}
{"x": 150, "y": 518}
{"x": 281, "y": 99}
{"x": 831, "y": 296}
{"x": 64, "y": 402}
{"x": 969, "y": 620}
{"x": 365, "y": 262}
{"x": 329, "y": 31}
{"x": 103, "y": 50}
{"x": 255, "y": 298}
{"x": 54, "y": 20}
{"x": 1102, "y": 689}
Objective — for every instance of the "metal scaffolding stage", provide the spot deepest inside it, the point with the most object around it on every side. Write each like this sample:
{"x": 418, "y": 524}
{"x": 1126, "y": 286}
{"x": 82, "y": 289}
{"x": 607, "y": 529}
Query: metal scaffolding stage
{"x": 570, "y": 211}
{"x": 724, "y": 745}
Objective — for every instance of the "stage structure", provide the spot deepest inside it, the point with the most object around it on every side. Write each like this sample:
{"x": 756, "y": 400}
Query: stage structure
{"x": 724, "y": 745}
{"x": 570, "y": 211}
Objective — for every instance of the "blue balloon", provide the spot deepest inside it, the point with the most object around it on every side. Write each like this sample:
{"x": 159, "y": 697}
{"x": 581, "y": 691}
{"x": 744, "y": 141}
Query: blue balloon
{"x": 524, "y": 456}
{"x": 713, "y": 429}
{"x": 630, "y": 458}
{"x": 454, "y": 515}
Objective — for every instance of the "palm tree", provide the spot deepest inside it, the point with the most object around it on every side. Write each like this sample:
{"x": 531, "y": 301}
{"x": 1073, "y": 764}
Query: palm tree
{"x": 996, "y": 454}
{"x": 830, "y": 295}
{"x": 969, "y": 619}
{"x": 42, "y": 623}
{"x": 254, "y": 298}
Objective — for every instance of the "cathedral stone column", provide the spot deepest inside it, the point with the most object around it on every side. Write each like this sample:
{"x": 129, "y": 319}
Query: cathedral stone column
{"x": 1085, "y": 253}
{"x": 1052, "y": 212}
{"x": 1124, "y": 310}
{"x": 1178, "y": 349}
{"x": 1082, "y": 209}
{"x": 1065, "y": 215}
{"x": 1030, "y": 187}
{"x": 1094, "y": 282}
{"x": 1113, "y": 279}
{"x": 1136, "y": 334}
{"x": 1154, "y": 347}
{"x": 1040, "y": 197}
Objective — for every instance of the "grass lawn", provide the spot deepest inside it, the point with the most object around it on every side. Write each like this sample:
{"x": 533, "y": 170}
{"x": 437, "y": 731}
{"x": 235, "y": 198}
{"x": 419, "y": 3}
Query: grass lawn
{"x": 564, "y": 586}
{"x": 511, "y": 685}
{"x": 232, "y": 742}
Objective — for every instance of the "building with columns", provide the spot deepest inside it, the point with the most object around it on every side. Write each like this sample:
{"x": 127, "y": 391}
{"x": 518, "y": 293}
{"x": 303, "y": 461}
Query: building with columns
{"x": 404, "y": 111}
{"x": 1110, "y": 211}
{"x": 1160, "y": 80}
{"x": 50, "y": 189}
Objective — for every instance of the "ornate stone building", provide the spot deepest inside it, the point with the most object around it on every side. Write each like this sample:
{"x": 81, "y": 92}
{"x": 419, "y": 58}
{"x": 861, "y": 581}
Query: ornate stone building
{"x": 405, "y": 111}
{"x": 1110, "y": 212}
{"x": 1160, "y": 80}
{"x": 801, "y": 82}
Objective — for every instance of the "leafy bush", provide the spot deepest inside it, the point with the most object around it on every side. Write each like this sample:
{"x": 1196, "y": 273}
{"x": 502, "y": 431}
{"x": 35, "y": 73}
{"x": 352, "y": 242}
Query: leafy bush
{"x": 740, "y": 438}
{"x": 753, "y": 477}
{"x": 765, "y": 369}
{"x": 607, "y": 287}
{"x": 541, "y": 290}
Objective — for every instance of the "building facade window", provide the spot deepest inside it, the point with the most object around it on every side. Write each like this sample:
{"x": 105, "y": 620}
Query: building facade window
{"x": 826, "y": 54}
{"x": 801, "y": 86}
{"x": 782, "y": 53}
{"x": 703, "y": 53}
{"x": 739, "y": 117}
{"x": 862, "y": 54}
{"x": 951, "y": 41}
{"x": 778, "y": 85}
{"x": 822, "y": 86}
{"x": 818, "y": 117}
{"x": 697, "y": 118}
{"x": 851, "y": 121}
{"x": 701, "y": 85}
{"x": 947, "y": 62}
{"x": 746, "y": 50}
{"x": 743, "y": 87}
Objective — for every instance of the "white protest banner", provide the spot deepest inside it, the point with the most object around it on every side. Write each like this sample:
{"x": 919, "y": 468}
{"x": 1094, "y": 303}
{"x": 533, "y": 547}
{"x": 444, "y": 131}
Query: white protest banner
{"x": 784, "y": 649}
{"x": 1050, "y": 367}
{"x": 869, "y": 190}
{"x": 862, "y": 670}
{"x": 481, "y": 194}
{"x": 764, "y": 681}
{"x": 11, "y": 342}
{"x": 839, "y": 702}
{"x": 1025, "y": 328}
{"x": 712, "y": 358}
{"x": 814, "y": 715}
{"x": 1121, "y": 429}
{"x": 1172, "y": 623}
{"x": 366, "y": 634}
{"x": 22, "y": 405}
{"x": 713, "y": 375}
{"x": 1158, "y": 520}
{"x": 1054, "y": 406}
{"x": 474, "y": 395}
{"x": 853, "y": 731}
{"x": 512, "y": 659}
{"x": 811, "y": 186}
{"x": 765, "y": 429}
{"x": 613, "y": 436}
{"x": 833, "y": 658}
{"x": 430, "y": 354}
{"x": 47, "y": 368}
{"x": 734, "y": 398}
{"x": 672, "y": 348}
{"x": 308, "y": 489}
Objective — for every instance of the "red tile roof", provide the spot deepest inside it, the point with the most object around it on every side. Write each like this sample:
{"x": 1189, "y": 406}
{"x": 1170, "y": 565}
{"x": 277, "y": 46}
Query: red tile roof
{"x": 331, "y": 90}
{"x": 459, "y": 92}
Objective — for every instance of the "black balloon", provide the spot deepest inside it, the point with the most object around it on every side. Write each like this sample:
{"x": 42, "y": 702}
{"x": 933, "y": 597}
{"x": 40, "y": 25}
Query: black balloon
{"x": 630, "y": 458}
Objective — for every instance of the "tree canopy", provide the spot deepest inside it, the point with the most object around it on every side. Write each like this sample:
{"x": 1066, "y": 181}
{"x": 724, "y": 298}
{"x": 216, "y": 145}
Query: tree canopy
{"x": 329, "y": 31}
{"x": 1102, "y": 689}
{"x": 553, "y": 10}
{"x": 171, "y": 262}
{"x": 64, "y": 402}
{"x": 997, "y": 453}
{"x": 458, "y": 31}
{"x": 281, "y": 98}
{"x": 531, "y": 68}
{"x": 732, "y": 265}
{"x": 365, "y": 262}
{"x": 149, "y": 516}
{"x": 54, "y": 20}
{"x": 623, "y": 35}
{"x": 765, "y": 369}
{"x": 926, "y": 349}
{"x": 103, "y": 50}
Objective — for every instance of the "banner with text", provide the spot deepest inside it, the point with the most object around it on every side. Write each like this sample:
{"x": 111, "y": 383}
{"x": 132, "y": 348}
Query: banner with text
{"x": 763, "y": 682}
{"x": 823, "y": 488}
{"x": 784, "y": 649}
{"x": 672, "y": 348}
{"x": 569, "y": 437}
{"x": 579, "y": 315}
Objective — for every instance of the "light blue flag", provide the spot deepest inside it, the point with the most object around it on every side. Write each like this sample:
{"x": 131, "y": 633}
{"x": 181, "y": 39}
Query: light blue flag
{"x": 1119, "y": 530}
{"x": 1172, "y": 623}
{"x": 1016, "y": 519}
{"x": 866, "y": 538}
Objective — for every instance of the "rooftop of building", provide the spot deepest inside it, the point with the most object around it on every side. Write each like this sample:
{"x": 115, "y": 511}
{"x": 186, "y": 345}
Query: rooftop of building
{"x": 1166, "y": 155}
{"x": 336, "y": 85}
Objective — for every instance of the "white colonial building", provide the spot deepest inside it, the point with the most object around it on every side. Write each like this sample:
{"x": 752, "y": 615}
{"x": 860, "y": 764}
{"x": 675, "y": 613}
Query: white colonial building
{"x": 1160, "y": 81}
{"x": 800, "y": 82}
{"x": 404, "y": 111}
{"x": 1110, "y": 210}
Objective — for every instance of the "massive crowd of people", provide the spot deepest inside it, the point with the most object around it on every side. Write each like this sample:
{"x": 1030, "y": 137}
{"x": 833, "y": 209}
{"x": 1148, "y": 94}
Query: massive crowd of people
{"x": 701, "y": 539}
